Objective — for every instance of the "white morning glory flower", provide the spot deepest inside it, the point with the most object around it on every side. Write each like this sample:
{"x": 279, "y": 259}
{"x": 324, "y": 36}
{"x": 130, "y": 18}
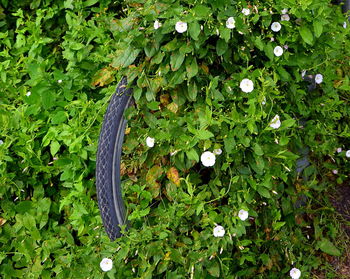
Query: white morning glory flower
{"x": 278, "y": 51}
{"x": 246, "y": 11}
{"x": 284, "y": 11}
{"x": 347, "y": 153}
{"x": 150, "y": 141}
{"x": 157, "y": 24}
{"x": 28, "y": 93}
{"x": 208, "y": 159}
{"x": 339, "y": 149}
{"x": 181, "y": 26}
{"x": 295, "y": 273}
{"x": 1, "y": 142}
{"x": 275, "y": 122}
{"x": 219, "y": 231}
{"x": 263, "y": 102}
{"x": 335, "y": 171}
{"x": 230, "y": 23}
{"x": 106, "y": 264}
{"x": 243, "y": 214}
{"x": 276, "y": 26}
{"x": 59, "y": 81}
{"x": 285, "y": 17}
{"x": 345, "y": 24}
{"x": 217, "y": 151}
{"x": 318, "y": 78}
{"x": 246, "y": 85}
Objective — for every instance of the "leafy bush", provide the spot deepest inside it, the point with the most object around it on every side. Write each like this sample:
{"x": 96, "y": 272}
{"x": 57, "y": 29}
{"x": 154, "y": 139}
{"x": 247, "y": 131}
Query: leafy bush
{"x": 228, "y": 77}
{"x": 50, "y": 116}
{"x": 60, "y": 62}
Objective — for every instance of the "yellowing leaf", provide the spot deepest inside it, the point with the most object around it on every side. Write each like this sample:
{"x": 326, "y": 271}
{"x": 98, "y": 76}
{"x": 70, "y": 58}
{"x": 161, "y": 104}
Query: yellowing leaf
{"x": 2, "y": 221}
{"x": 167, "y": 256}
{"x": 154, "y": 189}
{"x": 103, "y": 77}
{"x": 170, "y": 190}
{"x": 173, "y": 176}
{"x": 192, "y": 68}
{"x": 205, "y": 68}
{"x": 173, "y": 107}
{"x": 154, "y": 173}
{"x": 164, "y": 99}
{"x": 153, "y": 185}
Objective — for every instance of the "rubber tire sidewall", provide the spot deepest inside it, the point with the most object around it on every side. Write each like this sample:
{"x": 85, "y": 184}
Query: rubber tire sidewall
{"x": 108, "y": 184}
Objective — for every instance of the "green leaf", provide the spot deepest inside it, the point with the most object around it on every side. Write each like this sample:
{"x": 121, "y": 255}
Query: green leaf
{"x": 204, "y": 134}
{"x": 172, "y": 45}
{"x": 201, "y": 11}
{"x": 268, "y": 49}
{"x": 137, "y": 93}
{"x": 285, "y": 76}
{"x": 177, "y": 77}
{"x": 225, "y": 33}
{"x": 214, "y": 269}
{"x": 221, "y": 47}
{"x": 76, "y": 46}
{"x": 59, "y": 117}
{"x": 230, "y": 144}
{"x": 328, "y": 247}
{"x": 186, "y": 48}
{"x": 163, "y": 235}
{"x": 318, "y": 28}
{"x": 284, "y": 140}
{"x": 176, "y": 60}
{"x": 29, "y": 222}
{"x": 277, "y": 225}
{"x": 194, "y": 30}
{"x": 54, "y": 147}
{"x": 150, "y": 50}
{"x": 306, "y": 35}
{"x": 287, "y": 123}
{"x": 200, "y": 207}
{"x": 258, "y": 43}
{"x": 176, "y": 256}
{"x": 48, "y": 99}
{"x": 192, "y": 155}
{"x": 192, "y": 68}
{"x": 88, "y": 3}
{"x": 125, "y": 57}
{"x": 192, "y": 91}
{"x": 158, "y": 58}
{"x": 263, "y": 192}
{"x": 258, "y": 150}
{"x": 153, "y": 105}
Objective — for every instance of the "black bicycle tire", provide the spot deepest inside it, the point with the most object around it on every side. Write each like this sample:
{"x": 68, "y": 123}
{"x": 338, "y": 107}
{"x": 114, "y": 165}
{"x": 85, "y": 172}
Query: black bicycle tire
{"x": 108, "y": 182}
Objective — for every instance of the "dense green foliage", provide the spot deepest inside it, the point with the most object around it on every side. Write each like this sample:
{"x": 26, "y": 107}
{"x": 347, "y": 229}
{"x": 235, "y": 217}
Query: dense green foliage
{"x": 188, "y": 98}
{"x": 50, "y": 223}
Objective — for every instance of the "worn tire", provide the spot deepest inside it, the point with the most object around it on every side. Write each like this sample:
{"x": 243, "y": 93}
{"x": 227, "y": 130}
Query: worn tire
{"x": 108, "y": 183}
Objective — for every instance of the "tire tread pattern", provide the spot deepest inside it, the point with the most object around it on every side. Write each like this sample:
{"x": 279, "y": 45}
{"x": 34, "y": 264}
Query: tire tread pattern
{"x": 104, "y": 161}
